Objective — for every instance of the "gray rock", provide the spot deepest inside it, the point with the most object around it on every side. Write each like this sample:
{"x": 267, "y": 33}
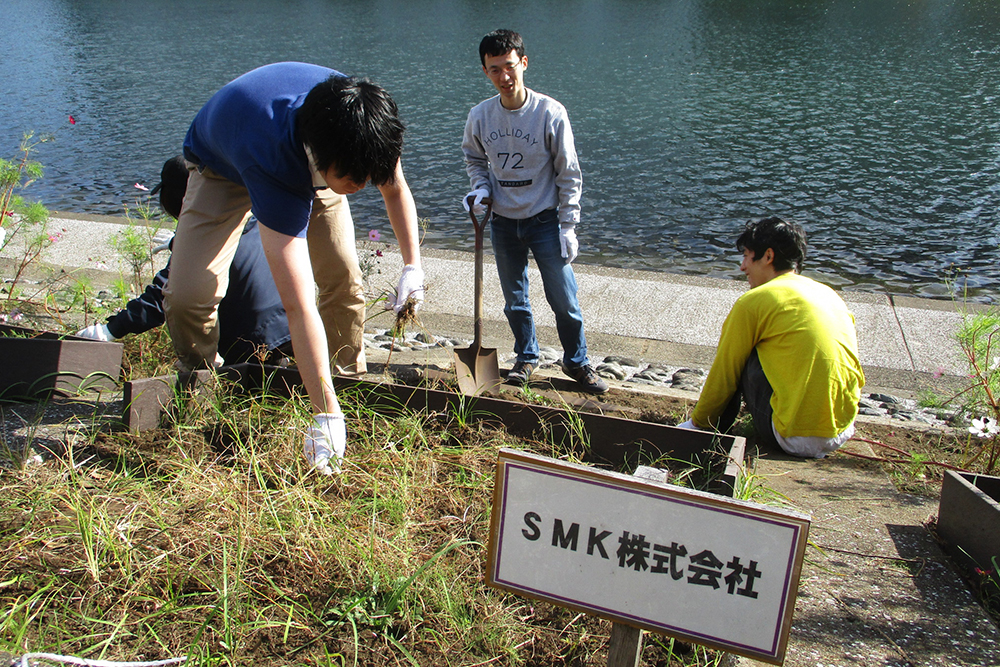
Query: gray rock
{"x": 622, "y": 361}
{"x": 926, "y": 418}
{"x": 655, "y": 375}
{"x": 686, "y": 386}
{"x": 548, "y": 356}
{"x": 640, "y": 380}
{"x": 661, "y": 367}
{"x": 611, "y": 370}
{"x": 688, "y": 376}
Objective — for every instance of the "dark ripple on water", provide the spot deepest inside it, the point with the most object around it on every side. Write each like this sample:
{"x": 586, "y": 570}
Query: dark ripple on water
{"x": 874, "y": 125}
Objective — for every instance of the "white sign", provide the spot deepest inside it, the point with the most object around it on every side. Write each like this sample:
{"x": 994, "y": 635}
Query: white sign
{"x": 689, "y": 564}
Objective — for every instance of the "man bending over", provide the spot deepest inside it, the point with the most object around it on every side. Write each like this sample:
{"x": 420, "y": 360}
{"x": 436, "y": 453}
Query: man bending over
{"x": 290, "y": 141}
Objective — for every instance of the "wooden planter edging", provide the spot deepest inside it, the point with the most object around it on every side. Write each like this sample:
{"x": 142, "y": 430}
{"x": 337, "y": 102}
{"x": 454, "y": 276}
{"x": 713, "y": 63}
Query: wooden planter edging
{"x": 38, "y": 364}
{"x": 969, "y": 518}
{"x": 621, "y": 443}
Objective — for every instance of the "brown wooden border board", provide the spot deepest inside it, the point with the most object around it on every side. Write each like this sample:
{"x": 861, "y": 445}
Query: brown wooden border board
{"x": 622, "y": 444}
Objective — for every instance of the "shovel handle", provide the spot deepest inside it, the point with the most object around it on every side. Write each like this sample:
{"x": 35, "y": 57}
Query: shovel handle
{"x": 479, "y": 226}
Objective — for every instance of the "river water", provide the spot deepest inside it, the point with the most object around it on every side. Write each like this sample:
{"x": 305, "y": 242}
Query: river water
{"x": 873, "y": 123}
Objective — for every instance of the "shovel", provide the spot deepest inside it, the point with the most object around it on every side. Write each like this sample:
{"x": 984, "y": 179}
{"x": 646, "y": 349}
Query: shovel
{"x": 476, "y": 367}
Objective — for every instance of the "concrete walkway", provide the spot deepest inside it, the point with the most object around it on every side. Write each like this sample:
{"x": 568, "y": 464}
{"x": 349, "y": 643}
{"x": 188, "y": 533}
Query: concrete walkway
{"x": 904, "y": 342}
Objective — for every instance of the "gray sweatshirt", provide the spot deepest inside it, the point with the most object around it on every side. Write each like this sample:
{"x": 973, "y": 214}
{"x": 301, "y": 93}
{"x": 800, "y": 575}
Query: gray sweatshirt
{"x": 525, "y": 158}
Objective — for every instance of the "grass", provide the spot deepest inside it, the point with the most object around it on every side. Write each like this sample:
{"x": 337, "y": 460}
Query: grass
{"x": 210, "y": 538}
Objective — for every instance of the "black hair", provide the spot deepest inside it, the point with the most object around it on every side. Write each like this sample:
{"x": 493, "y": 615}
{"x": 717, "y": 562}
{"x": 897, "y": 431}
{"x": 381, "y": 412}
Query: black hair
{"x": 172, "y": 185}
{"x": 352, "y": 125}
{"x": 786, "y": 239}
{"x": 500, "y": 43}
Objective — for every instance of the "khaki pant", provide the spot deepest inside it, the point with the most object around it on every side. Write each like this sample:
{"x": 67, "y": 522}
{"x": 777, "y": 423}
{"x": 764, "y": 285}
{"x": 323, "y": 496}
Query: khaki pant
{"x": 208, "y": 232}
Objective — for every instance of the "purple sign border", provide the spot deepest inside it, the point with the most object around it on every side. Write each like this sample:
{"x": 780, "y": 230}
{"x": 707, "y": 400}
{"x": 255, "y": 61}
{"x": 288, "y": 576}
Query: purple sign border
{"x": 790, "y": 564}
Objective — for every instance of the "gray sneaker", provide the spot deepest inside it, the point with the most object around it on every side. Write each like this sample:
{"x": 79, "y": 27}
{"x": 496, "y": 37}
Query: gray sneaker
{"x": 588, "y": 379}
{"x": 520, "y": 373}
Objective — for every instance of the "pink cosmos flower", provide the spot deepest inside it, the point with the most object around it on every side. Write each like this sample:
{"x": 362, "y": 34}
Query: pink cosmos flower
{"x": 72, "y": 121}
{"x": 374, "y": 235}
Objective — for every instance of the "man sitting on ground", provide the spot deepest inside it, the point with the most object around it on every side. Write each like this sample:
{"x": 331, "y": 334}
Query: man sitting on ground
{"x": 788, "y": 347}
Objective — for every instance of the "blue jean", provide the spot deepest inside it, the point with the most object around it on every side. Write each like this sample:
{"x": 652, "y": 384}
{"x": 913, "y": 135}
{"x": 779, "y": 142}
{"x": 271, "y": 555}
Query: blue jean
{"x": 512, "y": 239}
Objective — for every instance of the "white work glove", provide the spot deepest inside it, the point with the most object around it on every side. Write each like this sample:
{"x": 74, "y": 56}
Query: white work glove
{"x": 325, "y": 442}
{"x": 568, "y": 243}
{"x": 411, "y": 283}
{"x": 689, "y": 425}
{"x": 184, "y": 367}
{"x": 477, "y": 203}
{"x": 165, "y": 237}
{"x": 97, "y": 332}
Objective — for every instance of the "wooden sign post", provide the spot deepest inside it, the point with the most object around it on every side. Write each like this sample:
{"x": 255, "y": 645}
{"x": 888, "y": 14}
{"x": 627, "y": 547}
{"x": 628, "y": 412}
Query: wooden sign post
{"x": 692, "y": 565}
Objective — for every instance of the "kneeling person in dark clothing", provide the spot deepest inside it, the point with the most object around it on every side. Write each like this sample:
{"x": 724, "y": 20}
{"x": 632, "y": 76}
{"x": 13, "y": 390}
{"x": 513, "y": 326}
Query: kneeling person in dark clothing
{"x": 252, "y": 321}
{"x": 788, "y": 348}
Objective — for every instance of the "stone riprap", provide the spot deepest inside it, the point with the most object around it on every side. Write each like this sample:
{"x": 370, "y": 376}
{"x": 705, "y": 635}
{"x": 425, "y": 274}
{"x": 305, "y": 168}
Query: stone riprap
{"x": 630, "y": 370}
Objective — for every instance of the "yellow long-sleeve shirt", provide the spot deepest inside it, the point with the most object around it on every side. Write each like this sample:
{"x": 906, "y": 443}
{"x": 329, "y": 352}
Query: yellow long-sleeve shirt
{"x": 808, "y": 348}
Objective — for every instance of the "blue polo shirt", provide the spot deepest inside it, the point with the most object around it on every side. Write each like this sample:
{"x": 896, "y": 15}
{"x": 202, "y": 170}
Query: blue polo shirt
{"x": 246, "y": 133}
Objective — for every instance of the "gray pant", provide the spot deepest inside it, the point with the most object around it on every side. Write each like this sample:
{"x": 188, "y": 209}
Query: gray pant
{"x": 755, "y": 390}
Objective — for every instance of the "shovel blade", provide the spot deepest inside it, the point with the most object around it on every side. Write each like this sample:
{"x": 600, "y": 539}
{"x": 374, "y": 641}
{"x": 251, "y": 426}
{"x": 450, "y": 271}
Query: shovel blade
{"x": 477, "y": 369}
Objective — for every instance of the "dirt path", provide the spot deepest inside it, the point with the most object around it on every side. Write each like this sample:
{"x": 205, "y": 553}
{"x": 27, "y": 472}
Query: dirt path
{"x": 876, "y": 588}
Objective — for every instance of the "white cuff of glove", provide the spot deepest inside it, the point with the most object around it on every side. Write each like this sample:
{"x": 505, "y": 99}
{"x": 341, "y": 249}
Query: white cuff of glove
{"x": 568, "y": 244}
{"x": 97, "y": 332}
{"x": 477, "y": 197}
{"x": 411, "y": 284}
{"x": 326, "y": 442}
{"x": 689, "y": 425}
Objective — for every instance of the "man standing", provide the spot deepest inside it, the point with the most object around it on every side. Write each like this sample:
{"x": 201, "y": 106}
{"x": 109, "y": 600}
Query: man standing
{"x": 288, "y": 141}
{"x": 789, "y": 346}
{"x": 519, "y": 151}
